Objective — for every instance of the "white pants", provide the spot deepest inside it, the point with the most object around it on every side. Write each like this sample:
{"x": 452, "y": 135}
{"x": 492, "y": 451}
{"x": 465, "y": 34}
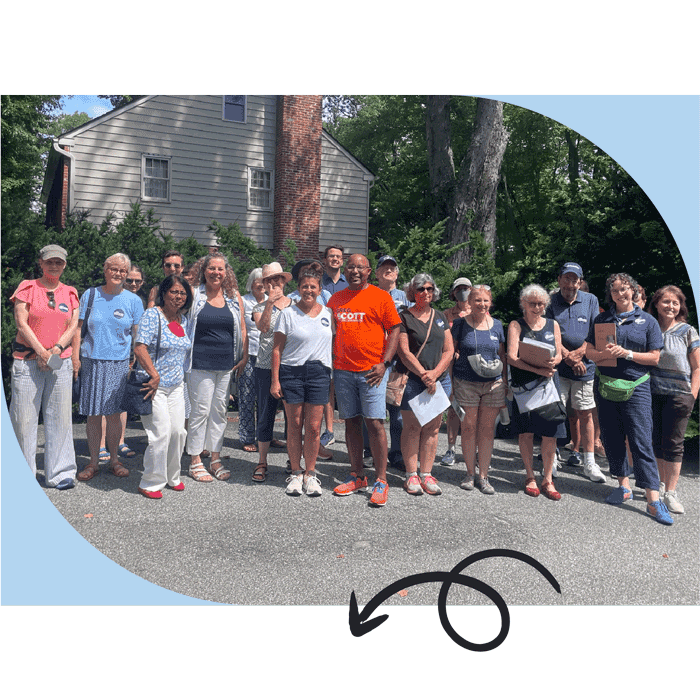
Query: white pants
{"x": 165, "y": 428}
{"x": 208, "y": 403}
{"x": 50, "y": 391}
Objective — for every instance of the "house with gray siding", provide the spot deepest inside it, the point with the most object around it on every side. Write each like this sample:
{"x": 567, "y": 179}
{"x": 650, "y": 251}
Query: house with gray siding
{"x": 264, "y": 162}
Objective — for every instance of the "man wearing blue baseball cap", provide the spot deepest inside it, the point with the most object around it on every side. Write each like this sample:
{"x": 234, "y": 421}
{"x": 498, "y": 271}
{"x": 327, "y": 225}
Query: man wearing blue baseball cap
{"x": 574, "y": 311}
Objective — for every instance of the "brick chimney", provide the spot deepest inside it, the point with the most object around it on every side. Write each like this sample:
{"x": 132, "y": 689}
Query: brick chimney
{"x": 298, "y": 174}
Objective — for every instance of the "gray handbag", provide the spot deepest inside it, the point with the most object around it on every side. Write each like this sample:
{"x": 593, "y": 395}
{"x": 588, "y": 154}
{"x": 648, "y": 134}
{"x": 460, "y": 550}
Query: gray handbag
{"x": 489, "y": 369}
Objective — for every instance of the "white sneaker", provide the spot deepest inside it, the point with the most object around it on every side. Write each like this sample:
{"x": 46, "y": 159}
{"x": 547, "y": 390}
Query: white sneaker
{"x": 592, "y": 472}
{"x": 312, "y": 486}
{"x": 295, "y": 482}
{"x": 368, "y": 461}
{"x": 662, "y": 489}
{"x": 449, "y": 459}
{"x": 672, "y": 502}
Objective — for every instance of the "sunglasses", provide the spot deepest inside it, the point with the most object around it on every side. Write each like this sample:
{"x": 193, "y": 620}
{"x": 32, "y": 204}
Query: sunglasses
{"x": 426, "y": 289}
{"x": 132, "y": 281}
{"x": 177, "y": 266}
{"x": 52, "y": 299}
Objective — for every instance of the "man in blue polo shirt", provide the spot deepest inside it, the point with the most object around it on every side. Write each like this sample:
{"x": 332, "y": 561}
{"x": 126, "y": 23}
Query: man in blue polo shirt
{"x": 574, "y": 311}
{"x": 333, "y": 279}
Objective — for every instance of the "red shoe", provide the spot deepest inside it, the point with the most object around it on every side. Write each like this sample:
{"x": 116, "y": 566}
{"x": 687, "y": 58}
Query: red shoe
{"x": 531, "y": 487}
{"x": 380, "y": 491}
{"x": 351, "y": 485}
{"x": 547, "y": 488}
{"x": 150, "y": 494}
{"x": 179, "y": 487}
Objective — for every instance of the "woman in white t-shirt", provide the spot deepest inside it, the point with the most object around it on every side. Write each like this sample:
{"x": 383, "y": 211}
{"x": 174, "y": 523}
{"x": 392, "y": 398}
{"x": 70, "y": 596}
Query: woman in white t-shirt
{"x": 301, "y": 375}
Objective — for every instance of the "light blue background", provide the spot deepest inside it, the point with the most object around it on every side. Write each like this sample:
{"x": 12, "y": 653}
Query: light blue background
{"x": 656, "y": 139}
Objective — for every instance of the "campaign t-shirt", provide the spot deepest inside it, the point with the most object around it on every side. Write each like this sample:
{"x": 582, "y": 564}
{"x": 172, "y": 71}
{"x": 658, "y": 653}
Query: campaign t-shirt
{"x": 108, "y": 335}
{"x": 308, "y": 339}
{"x": 637, "y": 331}
{"x": 362, "y": 318}
{"x": 469, "y": 341}
{"x": 48, "y": 324}
{"x": 417, "y": 331}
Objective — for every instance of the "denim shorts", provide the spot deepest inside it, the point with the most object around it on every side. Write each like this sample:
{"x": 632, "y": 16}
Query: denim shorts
{"x": 415, "y": 386}
{"x": 356, "y": 397}
{"x": 308, "y": 383}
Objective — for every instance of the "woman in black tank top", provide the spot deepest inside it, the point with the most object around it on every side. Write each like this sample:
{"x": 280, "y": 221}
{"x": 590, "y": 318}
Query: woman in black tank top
{"x": 534, "y": 301}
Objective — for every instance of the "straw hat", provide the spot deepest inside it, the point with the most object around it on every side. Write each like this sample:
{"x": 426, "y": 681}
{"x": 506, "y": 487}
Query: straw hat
{"x": 274, "y": 269}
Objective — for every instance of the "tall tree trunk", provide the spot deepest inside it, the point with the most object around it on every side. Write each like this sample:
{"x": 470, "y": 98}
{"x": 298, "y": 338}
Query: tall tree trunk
{"x": 440, "y": 159}
{"x": 479, "y": 174}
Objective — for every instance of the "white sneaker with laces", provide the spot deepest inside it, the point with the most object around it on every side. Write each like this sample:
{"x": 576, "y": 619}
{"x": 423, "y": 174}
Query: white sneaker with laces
{"x": 295, "y": 482}
{"x": 672, "y": 502}
{"x": 312, "y": 485}
{"x": 592, "y": 472}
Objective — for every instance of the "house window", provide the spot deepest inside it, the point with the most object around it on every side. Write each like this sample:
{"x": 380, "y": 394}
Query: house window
{"x": 235, "y": 108}
{"x": 259, "y": 189}
{"x": 155, "y": 178}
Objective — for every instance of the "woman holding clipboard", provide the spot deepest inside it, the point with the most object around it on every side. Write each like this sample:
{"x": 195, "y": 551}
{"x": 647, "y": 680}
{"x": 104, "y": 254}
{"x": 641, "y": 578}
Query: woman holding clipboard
{"x": 623, "y": 392}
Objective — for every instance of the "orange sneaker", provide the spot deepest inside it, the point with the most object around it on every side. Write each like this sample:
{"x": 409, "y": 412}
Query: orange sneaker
{"x": 351, "y": 485}
{"x": 380, "y": 491}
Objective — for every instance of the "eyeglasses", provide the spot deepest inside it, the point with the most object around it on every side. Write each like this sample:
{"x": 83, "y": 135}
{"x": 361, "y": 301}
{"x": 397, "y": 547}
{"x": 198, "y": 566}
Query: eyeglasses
{"x": 482, "y": 286}
{"x": 426, "y": 289}
{"x": 359, "y": 268}
{"x": 52, "y": 299}
{"x": 177, "y": 293}
{"x": 132, "y": 281}
{"x": 177, "y": 266}
{"x": 537, "y": 303}
{"x": 117, "y": 271}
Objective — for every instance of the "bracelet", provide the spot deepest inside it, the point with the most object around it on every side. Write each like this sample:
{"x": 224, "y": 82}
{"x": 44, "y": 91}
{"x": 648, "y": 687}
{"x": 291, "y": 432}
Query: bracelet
{"x": 59, "y": 346}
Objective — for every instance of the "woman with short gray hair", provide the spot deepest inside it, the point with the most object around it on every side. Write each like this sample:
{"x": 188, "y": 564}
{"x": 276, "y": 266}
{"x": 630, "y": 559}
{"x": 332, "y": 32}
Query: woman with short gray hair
{"x": 533, "y": 325}
{"x": 110, "y": 314}
{"x": 419, "y": 281}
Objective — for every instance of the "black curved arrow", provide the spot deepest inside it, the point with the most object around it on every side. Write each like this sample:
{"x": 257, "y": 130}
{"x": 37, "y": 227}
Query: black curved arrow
{"x": 360, "y": 623}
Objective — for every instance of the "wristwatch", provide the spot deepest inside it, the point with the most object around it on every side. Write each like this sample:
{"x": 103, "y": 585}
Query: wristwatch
{"x": 60, "y": 347}
{"x": 387, "y": 364}
{"x": 629, "y": 356}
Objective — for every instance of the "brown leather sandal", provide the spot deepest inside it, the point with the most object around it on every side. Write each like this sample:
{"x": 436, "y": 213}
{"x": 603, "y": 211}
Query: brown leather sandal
{"x": 87, "y": 473}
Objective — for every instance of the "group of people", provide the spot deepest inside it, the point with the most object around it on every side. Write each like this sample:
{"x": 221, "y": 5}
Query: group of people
{"x": 374, "y": 349}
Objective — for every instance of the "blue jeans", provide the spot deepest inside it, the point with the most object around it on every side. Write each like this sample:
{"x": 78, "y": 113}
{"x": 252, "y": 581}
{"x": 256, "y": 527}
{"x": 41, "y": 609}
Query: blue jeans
{"x": 357, "y": 398}
{"x": 631, "y": 419}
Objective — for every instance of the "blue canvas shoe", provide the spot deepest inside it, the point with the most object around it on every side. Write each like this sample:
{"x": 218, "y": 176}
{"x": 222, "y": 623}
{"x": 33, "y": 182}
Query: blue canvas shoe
{"x": 619, "y": 496}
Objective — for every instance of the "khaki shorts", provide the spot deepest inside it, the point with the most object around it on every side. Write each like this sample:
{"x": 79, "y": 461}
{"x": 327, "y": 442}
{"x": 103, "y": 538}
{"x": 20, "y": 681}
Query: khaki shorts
{"x": 475, "y": 394}
{"x": 580, "y": 393}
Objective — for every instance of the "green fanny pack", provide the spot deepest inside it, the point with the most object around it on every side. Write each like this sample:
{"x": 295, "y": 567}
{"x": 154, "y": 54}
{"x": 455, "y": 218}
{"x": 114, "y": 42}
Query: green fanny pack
{"x": 618, "y": 389}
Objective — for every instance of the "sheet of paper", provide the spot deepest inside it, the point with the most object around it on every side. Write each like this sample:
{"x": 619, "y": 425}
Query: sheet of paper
{"x": 426, "y": 406}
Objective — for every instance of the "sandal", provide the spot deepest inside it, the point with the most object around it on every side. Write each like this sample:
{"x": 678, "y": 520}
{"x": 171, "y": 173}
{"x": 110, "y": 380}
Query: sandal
{"x": 548, "y": 490}
{"x": 531, "y": 487}
{"x": 260, "y": 473}
{"x": 104, "y": 455}
{"x": 278, "y": 443}
{"x": 118, "y": 470}
{"x": 221, "y": 473}
{"x": 88, "y": 473}
{"x": 199, "y": 473}
{"x": 251, "y": 447}
{"x": 125, "y": 451}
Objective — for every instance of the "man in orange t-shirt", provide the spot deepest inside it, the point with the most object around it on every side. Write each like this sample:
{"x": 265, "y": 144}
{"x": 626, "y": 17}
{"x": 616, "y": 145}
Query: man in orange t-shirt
{"x": 366, "y": 337}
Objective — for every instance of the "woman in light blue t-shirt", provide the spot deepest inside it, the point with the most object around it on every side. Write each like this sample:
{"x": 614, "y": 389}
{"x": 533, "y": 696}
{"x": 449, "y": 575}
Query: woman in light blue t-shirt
{"x": 109, "y": 314}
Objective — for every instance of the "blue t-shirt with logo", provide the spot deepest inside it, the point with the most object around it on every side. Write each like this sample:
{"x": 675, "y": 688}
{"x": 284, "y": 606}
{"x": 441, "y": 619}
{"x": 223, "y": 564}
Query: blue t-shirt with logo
{"x": 575, "y": 321}
{"x": 468, "y": 341}
{"x": 108, "y": 335}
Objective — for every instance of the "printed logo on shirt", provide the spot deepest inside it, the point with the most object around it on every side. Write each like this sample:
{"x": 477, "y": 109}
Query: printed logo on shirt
{"x": 63, "y": 307}
{"x": 440, "y": 323}
{"x": 494, "y": 337}
{"x": 549, "y": 336}
{"x": 352, "y": 316}
{"x": 118, "y": 313}
{"x": 639, "y": 321}
{"x": 325, "y": 322}
{"x": 582, "y": 319}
